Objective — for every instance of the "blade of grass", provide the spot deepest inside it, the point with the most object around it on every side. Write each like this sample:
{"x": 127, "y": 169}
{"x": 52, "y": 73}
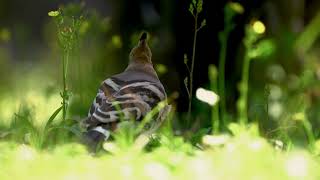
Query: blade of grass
{"x": 52, "y": 117}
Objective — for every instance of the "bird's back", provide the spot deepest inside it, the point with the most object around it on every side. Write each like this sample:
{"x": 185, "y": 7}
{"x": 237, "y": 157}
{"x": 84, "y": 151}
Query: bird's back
{"x": 136, "y": 76}
{"x": 135, "y": 93}
{"x": 128, "y": 95}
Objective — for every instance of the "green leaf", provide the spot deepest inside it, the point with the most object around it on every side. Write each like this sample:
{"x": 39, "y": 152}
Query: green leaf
{"x": 194, "y": 2}
{"x": 199, "y": 6}
{"x": 263, "y": 49}
{"x": 191, "y": 9}
{"x": 203, "y": 23}
{"x": 53, "y": 116}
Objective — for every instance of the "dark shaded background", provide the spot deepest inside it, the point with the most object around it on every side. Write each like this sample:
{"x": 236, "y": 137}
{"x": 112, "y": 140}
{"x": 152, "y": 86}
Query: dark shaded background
{"x": 171, "y": 22}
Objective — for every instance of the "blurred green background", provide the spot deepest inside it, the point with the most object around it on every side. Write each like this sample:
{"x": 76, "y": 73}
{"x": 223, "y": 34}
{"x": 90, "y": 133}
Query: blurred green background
{"x": 30, "y": 57}
{"x": 277, "y": 39}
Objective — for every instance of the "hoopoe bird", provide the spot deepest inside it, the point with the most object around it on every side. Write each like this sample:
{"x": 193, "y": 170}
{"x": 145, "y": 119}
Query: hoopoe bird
{"x": 130, "y": 94}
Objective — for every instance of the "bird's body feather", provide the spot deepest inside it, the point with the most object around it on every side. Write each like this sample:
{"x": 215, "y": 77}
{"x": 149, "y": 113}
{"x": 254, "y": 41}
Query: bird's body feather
{"x": 128, "y": 95}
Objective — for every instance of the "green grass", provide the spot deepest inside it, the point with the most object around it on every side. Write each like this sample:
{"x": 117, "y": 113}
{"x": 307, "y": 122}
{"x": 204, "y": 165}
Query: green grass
{"x": 244, "y": 156}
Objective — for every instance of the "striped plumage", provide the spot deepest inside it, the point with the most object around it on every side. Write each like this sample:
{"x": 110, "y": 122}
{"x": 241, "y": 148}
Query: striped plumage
{"x": 130, "y": 94}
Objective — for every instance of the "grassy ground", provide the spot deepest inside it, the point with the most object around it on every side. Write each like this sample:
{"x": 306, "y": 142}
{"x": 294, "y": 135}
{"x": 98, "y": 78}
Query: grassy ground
{"x": 244, "y": 156}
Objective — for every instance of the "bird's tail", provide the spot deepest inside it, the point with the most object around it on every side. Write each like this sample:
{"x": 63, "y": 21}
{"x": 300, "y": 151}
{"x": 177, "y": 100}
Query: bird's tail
{"x": 94, "y": 138}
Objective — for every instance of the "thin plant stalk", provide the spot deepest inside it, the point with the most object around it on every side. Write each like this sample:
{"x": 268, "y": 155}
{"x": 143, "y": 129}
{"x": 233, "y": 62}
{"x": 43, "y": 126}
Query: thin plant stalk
{"x": 243, "y": 106}
{"x": 223, "y": 38}
{"x": 68, "y": 29}
{"x": 302, "y": 117}
{"x": 308, "y": 128}
{"x": 254, "y": 49}
{"x": 308, "y": 37}
{"x": 250, "y": 38}
{"x": 215, "y": 119}
{"x": 221, "y": 77}
{"x": 192, "y": 64}
{"x": 65, "y": 90}
{"x": 195, "y": 8}
{"x": 230, "y": 11}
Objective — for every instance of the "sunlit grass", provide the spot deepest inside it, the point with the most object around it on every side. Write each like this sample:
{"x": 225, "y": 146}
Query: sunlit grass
{"x": 41, "y": 106}
{"x": 35, "y": 91}
{"x": 7, "y": 109}
{"x": 240, "y": 157}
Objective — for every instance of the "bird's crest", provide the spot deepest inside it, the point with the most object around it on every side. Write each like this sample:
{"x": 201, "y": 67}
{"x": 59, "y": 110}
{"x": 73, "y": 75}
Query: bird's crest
{"x": 143, "y": 36}
{"x": 141, "y": 53}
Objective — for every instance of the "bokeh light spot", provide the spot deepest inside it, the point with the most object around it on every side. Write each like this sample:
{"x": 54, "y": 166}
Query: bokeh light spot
{"x": 207, "y": 96}
{"x": 297, "y": 166}
{"x": 259, "y": 27}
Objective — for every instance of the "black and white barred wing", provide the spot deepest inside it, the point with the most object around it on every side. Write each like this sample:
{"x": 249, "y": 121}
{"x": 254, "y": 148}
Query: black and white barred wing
{"x": 133, "y": 100}
{"x": 105, "y": 91}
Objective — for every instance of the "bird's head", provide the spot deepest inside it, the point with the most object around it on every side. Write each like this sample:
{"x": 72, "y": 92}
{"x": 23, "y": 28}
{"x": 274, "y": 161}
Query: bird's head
{"x": 141, "y": 53}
